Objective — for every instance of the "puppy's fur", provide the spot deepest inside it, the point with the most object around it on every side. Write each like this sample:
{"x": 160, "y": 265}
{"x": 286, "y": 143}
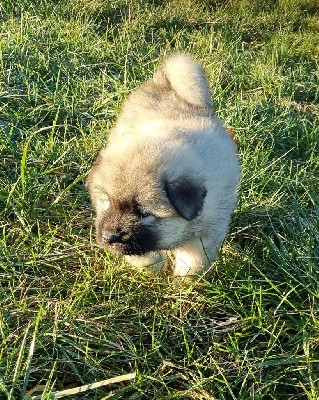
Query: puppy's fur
{"x": 167, "y": 178}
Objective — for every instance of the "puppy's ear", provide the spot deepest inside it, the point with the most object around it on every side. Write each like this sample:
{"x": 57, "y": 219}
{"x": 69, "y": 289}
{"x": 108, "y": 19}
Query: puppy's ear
{"x": 88, "y": 181}
{"x": 186, "y": 196}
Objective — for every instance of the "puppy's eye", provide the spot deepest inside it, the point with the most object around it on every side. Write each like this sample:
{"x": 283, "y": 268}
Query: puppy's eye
{"x": 144, "y": 214}
{"x": 147, "y": 217}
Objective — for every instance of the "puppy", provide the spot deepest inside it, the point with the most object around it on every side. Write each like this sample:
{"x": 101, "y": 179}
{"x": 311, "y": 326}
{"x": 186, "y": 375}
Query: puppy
{"x": 168, "y": 176}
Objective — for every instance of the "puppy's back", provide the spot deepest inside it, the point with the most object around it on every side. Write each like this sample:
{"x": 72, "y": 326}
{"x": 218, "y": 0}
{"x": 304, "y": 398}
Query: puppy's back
{"x": 178, "y": 90}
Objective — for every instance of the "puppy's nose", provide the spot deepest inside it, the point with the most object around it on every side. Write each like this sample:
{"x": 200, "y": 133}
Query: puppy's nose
{"x": 112, "y": 238}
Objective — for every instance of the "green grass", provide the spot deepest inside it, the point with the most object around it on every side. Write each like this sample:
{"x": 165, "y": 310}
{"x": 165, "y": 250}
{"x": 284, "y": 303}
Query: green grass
{"x": 70, "y": 314}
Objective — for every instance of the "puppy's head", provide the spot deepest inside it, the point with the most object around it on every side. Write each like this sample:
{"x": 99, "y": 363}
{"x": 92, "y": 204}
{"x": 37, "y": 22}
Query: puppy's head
{"x": 124, "y": 227}
{"x": 143, "y": 208}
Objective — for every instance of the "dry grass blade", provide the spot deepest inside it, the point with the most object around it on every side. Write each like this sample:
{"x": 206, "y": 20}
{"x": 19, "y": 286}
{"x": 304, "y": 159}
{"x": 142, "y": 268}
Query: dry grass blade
{"x": 90, "y": 386}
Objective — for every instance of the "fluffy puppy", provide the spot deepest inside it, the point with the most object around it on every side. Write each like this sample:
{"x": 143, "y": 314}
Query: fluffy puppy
{"x": 168, "y": 176}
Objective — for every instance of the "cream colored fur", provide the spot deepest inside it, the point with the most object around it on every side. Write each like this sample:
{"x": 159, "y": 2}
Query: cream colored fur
{"x": 167, "y": 128}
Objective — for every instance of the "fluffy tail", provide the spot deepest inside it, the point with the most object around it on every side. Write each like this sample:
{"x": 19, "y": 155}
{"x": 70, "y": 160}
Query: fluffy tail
{"x": 187, "y": 78}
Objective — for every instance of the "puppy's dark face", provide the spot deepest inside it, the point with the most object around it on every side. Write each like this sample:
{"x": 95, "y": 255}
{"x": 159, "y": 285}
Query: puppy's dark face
{"x": 155, "y": 218}
{"x": 124, "y": 228}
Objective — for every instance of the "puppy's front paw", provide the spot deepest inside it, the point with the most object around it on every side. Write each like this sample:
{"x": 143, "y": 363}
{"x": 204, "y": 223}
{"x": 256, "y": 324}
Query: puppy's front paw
{"x": 153, "y": 261}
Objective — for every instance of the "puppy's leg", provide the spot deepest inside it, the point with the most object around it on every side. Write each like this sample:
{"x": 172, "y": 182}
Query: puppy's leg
{"x": 152, "y": 260}
{"x": 195, "y": 258}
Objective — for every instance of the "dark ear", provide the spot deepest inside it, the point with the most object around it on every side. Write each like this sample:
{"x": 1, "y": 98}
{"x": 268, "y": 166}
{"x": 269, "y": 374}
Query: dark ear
{"x": 186, "y": 196}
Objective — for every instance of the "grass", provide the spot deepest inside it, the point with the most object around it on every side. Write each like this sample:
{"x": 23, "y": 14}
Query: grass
{"x": 71, "y": 315}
